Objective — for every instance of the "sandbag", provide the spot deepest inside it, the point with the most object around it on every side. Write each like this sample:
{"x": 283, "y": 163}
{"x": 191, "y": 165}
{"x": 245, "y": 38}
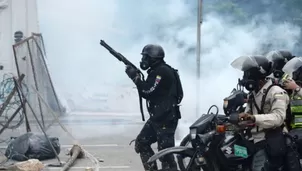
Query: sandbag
{"x": 32, "y": 146}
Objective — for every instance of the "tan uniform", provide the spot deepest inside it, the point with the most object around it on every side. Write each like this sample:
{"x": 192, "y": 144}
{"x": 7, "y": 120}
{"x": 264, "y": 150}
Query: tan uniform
{"x": 299, "y": 93}
{"x": 275, "y": 107}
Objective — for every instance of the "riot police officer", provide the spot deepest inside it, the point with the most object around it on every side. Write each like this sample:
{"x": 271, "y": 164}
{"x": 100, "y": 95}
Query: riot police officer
{"x": 266, "y": 107}
{"x": 294, "y": 69}
{"x": 163, "y": 93}
{"x": 293, "y": 83}
{"x": 279, "y": 59}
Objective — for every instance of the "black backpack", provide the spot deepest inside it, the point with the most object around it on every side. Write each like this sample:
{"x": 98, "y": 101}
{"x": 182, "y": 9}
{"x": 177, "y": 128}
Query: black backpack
{"x": 177, "y": 91}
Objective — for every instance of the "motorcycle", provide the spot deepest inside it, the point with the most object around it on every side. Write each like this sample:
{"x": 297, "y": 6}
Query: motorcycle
{"x": 233, "y": 103}
{"x": 225, "y": 148}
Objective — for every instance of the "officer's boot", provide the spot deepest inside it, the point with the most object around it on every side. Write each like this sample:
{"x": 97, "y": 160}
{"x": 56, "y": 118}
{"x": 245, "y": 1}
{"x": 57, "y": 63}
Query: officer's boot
{"x": 164, "y": 165}
{"x": 148, "y": 166}
{"x": 270, "y": 167}
{"x": 292, "y": 160}
{"x": 168, "y": 162}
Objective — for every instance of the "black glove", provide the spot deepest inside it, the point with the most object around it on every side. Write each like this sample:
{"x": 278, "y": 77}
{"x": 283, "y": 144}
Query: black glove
{"x": 132, "y": 73}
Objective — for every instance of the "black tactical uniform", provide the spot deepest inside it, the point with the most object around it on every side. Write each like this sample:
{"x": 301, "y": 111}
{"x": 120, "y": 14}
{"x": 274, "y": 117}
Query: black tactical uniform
{"x": 163, "y": 92}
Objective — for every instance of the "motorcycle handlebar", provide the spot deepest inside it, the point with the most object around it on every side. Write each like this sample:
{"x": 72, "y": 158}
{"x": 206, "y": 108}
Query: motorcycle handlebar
{"x": 233, "y": 119}
{"x": 240, "y": 122}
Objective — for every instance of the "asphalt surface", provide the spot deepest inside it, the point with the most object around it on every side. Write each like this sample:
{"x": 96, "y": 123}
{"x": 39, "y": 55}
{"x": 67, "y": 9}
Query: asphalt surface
{"x": 105, "y": 136}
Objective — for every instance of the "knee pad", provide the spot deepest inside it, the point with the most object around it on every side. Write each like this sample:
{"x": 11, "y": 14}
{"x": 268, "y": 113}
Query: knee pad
{"x": 141, "y": 145}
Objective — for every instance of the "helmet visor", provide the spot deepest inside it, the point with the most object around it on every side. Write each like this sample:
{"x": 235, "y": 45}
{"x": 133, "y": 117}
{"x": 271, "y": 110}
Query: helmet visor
{"x": 244, "y": 63}
{"x": 292, "y": 65}
{"x": 274, "y": 56}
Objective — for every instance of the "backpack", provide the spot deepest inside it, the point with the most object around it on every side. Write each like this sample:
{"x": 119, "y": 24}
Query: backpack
{"x": 177, "y": 91}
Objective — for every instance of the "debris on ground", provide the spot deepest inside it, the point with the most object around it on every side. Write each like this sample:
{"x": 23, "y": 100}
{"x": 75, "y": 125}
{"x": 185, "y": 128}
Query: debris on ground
{"x": 29, "y": 165}
{"x": 32, "y": 146}
{"x": 76, "y": 152}
{"x": 88, "y": 169}
{"x": 100, "y": 160}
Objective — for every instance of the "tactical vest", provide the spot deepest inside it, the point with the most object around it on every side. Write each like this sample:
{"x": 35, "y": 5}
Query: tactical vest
{"x": 296, "y": 110}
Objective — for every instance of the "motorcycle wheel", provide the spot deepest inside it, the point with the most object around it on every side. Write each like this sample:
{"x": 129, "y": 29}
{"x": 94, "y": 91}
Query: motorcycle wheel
{"x": 182, "y": 163}
{"x": 180, "y": 159}
{"x": 186, "y": 141}
{"x": 209, "y": 166}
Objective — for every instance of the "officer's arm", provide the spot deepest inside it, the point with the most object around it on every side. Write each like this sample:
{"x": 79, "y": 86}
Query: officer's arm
{"x": 299, "y": 93}
{"x": 149, "y": 87}
{"x": 279, "y": 103}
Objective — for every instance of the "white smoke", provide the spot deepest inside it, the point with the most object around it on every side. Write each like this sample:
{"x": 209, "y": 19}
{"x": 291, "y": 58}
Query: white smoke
{"x": 81, "y": 68}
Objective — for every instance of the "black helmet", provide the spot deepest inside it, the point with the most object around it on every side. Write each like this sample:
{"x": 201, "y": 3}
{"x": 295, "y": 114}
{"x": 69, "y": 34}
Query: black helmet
{"x": 154, "y": 51}
{"x": 258, "y": 63}
{"x": 278, "y": 59}
{"x": 152, "y": 54}
{"x": 255, "y": 68}
{"x": 294, "y": 68}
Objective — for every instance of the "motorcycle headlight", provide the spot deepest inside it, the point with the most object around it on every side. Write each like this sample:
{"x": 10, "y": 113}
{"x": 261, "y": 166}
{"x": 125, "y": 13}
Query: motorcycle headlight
{"x": 193, "y": 133}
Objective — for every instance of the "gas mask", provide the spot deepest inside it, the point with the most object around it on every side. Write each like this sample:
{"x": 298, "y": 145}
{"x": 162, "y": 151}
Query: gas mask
{"x": 297, "y": 76}
{"x": 248, "y": 84}
{"x": 145, "y": 62}
{"x": 250, "y": 80}
{"x": 278, "y": 73}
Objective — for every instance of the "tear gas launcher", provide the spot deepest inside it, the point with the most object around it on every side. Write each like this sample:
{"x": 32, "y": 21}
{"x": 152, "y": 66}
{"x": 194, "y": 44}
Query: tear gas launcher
{"x": 123, "y": 59}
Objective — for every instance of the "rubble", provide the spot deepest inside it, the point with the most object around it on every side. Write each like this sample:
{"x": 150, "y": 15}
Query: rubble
{"x": 29, "y": 165}
{"x": 75, "y": 153}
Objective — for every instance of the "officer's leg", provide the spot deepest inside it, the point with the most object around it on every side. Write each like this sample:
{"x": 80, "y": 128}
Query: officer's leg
{"x": 165, "y": 139}
{"x": 260, "y": 155}
{"x": 292, "y": 159}
{"x": 275, "y": 149}
{"x": 143, "y": 142}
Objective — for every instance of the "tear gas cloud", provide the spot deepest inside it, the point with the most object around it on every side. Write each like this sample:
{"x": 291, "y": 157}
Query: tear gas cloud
{"x": 84, "y": 72}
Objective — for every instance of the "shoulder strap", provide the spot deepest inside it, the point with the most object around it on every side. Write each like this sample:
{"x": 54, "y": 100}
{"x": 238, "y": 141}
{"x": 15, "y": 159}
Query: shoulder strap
{"x": 260, "y": 110}
{"x": 252, "y": 100}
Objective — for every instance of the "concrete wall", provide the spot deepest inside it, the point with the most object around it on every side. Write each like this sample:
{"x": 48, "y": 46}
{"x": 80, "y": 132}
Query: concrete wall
{"x": 15, "y": 15}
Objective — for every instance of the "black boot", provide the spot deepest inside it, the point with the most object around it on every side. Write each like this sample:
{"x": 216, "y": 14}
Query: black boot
{"x": 292, "y": 160}
{"x": 148, "y": 166}
{"x": 168, "y": 162}
{"x": 270, "y": 167}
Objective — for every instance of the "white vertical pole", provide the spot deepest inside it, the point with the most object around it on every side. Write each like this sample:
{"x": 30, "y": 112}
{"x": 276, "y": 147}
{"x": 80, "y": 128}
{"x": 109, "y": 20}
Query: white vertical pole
{"x": 199, "y": 22}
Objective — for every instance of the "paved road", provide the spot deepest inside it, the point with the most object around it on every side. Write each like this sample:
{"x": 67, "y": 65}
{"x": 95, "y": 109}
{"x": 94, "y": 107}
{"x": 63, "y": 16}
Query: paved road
{"x": 106, "y": 137}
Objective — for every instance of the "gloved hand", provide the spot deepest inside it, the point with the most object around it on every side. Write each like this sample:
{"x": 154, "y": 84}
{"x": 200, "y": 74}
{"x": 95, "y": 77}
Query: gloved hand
{"x": 290, "y": 84}
{"x": 132, "y": 73}
{"x": 246, "y": 116}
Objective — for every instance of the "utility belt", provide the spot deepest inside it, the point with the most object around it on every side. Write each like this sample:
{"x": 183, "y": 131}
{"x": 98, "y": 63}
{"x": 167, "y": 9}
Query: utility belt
{"x": 265, "y": 131}
{"x": 275, "y": 141}
{"x": 165, "y": 110}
